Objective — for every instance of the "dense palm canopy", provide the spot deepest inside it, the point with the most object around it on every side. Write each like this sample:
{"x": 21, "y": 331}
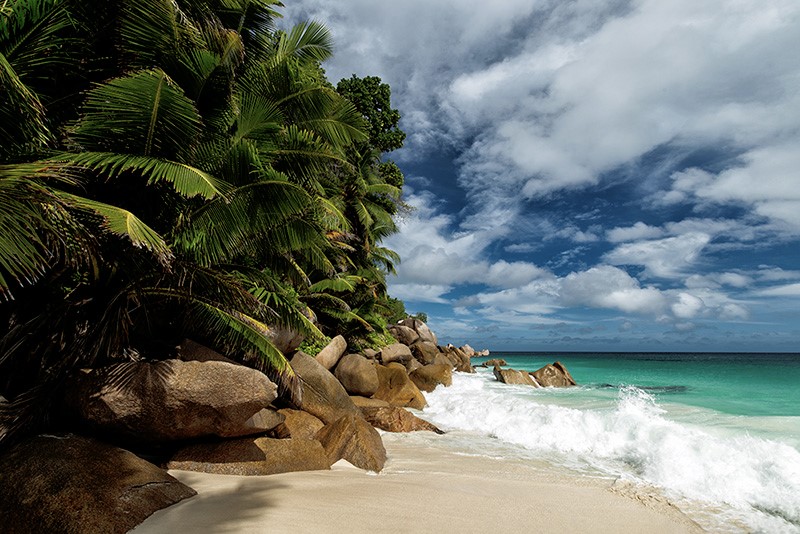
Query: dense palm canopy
{"x": 174, "y": 168}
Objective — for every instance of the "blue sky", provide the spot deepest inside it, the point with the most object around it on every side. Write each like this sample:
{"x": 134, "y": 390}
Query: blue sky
{"x": 591, "y": 175}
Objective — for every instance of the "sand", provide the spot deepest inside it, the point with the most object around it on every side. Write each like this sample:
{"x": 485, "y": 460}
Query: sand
{"x": 419, "y": 490}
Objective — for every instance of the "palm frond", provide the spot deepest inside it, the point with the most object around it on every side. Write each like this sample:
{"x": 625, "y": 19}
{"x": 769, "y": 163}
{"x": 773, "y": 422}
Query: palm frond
{"x": 306, "y": 41}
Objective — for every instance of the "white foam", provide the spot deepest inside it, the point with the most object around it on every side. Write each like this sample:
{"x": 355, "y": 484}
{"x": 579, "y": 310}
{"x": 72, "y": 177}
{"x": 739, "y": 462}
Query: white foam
{"x": 635, "y": 438}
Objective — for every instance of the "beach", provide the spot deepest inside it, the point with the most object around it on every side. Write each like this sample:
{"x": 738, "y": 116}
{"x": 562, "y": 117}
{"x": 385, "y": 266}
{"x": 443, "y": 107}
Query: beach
{"x": 421, "y": 489}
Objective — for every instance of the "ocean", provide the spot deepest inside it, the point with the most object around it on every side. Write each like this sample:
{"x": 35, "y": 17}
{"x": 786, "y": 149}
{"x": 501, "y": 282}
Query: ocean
{"x": 716, "y": 434}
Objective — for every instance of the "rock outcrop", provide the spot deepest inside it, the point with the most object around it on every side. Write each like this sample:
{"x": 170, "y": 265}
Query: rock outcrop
{"x": 396, "y": 419}
{"x": 323, "y": 395}
{"x": 333, "y": 351}
{"x": 252, "y": 456}
{"x": 426, "y": 378}
{"x": 512, "y": 376}
{"x": 171, "y": 400}
{"x": 396, "y": 387}
{"x": 355, "y": 440}
{"x": 358, "y": 375}
{"x": 396, "y": 352}
{"x": 494, "y": 362}
{"x": 75, "y": 485}
{"x": 297, "y": 424}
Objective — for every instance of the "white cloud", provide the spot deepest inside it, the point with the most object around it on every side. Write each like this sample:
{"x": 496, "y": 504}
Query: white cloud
{"x": 788, "y": 290}
{"x": 665, "y": 258}
{"x": 610, "y": 287}
{"x": 636, "y": 232}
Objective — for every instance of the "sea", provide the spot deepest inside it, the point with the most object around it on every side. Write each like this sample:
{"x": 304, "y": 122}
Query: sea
{"x": 715, "y": 434}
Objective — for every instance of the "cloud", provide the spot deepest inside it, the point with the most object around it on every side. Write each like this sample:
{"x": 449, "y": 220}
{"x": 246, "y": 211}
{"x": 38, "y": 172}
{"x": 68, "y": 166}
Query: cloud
{"x": 609, "y": 287}
{"x": 636, "y": 232}
{"x": 665, "y": 258}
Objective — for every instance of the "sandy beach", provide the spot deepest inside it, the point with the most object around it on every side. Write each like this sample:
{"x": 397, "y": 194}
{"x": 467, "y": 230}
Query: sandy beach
{"x": 419, "y": 490}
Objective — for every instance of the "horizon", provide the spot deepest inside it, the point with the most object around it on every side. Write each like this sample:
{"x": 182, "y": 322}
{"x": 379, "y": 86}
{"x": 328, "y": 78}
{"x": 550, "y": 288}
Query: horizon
{"x": 619, "y": 175}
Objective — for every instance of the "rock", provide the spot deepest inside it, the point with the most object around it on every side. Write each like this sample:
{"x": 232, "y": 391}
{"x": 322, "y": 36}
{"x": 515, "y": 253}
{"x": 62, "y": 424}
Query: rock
{"x": 191, "y": 351}
{"x": 285, "y": 339}
{"x": 468, "y": 351}
{"x": 264, "y": 420}
{"x": 442, "y": 359}
{"x": 460, "y": 360}
{"x": 428, "y": 377}
{"x": 357, "y": 375}
{"x": 494, "y": 362}
{"x": 75, "y": 485}
{"x": 396, "y": 419}
{"x": 363, "y": 402}
{"x": 412, "y": 365}
{"x": 425, "y": 352}
{"x": 420, "y": 328}
{"x": 396, "y": 352}
{"x": 355, "y": 440}
{"x": 512, "y": 376}
{"x": 555, "y": 375}
{"x": 323, "y": 395}
{"x": 297, "y": 424}
{"x": 171, "y": 400}
{"x": 404, "y": 334}
{"x": 482, "y": 353}
{"x": 396, "y": 388}
{"x": 370, "y": 354}
{"x": 252, "y": 456}
{"x": 330, "y": 355}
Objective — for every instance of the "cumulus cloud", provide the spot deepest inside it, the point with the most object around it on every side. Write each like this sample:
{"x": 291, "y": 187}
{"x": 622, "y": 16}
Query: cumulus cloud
{"x": 666, "y": 258}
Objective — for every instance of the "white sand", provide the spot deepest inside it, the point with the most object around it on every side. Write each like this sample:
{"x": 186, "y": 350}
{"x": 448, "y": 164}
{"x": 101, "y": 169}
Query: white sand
{"x": 419, "y": 490}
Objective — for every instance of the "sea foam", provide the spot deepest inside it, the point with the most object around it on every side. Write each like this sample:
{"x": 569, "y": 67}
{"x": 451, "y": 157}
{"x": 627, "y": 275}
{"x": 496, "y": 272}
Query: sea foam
{"x": 753, "y": 480}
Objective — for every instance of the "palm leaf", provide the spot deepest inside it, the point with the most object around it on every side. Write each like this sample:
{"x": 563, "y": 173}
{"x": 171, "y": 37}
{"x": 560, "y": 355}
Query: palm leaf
{"x": 307, "y": 41}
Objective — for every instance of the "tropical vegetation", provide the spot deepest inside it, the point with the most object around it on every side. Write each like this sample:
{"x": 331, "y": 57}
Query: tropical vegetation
{"x": 182, "y": 168}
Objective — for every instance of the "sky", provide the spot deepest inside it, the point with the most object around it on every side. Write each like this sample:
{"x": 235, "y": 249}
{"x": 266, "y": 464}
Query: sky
{"x": 590, "y": 175}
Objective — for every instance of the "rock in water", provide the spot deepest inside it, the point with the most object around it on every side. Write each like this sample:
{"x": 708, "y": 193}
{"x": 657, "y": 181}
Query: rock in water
{"x": 428, "y": 377}
{"x": 555, "y": 375}
{"x": 355, "y": 440}
{"x": 76, "y": 485}
{"x": 494, "y": 362}
{"x": 512, "y": 376}
{"x": 171, "y": 400}
{"x": 396, "y": 388}
{"x": 323, "y": 395}
{"x": 252, "y": 457}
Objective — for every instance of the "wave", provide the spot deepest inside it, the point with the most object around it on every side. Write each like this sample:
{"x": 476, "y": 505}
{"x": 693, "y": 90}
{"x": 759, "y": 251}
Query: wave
{"x": 634, "y": 438}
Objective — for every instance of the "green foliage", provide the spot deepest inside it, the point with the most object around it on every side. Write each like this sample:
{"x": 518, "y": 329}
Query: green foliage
{"x": 312, "y": 346}
{"x": 373, "y": 99}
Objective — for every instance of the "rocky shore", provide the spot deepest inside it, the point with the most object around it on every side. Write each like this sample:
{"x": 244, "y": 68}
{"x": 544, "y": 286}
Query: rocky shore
{"x": 125, "y": 425}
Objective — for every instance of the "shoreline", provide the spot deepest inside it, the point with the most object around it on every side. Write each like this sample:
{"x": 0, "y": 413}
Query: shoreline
{"x": 420, "y": 489}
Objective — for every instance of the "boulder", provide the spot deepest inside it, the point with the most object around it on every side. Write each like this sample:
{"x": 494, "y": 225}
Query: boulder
{"x": 512, "y": 376}
{"x": 264, "y": 420}
{"x": 363, "y": 402}
{"x": 171, "y": 400}
{"x": 191, "y": 351}
{"x": 330, "y": 355}
{"x": 370, "y": 354}
{"x": 403, "y": 334}
{"x": 469, "y": 351}
{"x": 396, "y": 352}
{"x": 323, "y": 395}
{"x": 459, "y": 359}
{"x": 75, "y": 485}
{"x": 420, "y": 328}
{"x": 396, "y": 388}
{"x": 355, "y": 440}
{"x": 442, "y": 359}
{"x": 285, "y": 339}
{"x": 554, "y": 375}
{"x": 357, "y": 375}
{"x": 252, "y": 457}
{"x": 297, "y": 424}
{"x": 412, "y": 365}
{"x": 428, "y": 377}
{"x": 425, "y": 352}
{"x": 494, "y": 362}
{"x": 396, "y": 419}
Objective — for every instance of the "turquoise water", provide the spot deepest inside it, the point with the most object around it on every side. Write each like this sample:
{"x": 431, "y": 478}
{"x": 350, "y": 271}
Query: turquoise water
{"x": 736, "y": 384}
{"x": 718, "y": 434}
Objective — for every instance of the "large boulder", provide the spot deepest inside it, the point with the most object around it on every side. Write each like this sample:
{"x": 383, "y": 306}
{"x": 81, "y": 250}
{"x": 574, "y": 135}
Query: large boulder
{"x": 284, "y": 339}
{"x": 297, "y": 424}
{"x": 459, "y": 359}
{"x": 512, "y": 376}
{"x": 323, "y": 395}
{"x": 404, "y": 334}
{"x": 355, "y": 440}
{"x": 396, "y": 352}
{"x": 396, "y": 419}
{"x": 494, "y": 362}
{"x": 421, "y": 329}
{"x": 76, "y": 485}
{"x": 329, "y": 356}
{"x": 554, "y": 375}
{"x": 428, "y": 377}
{"x": 396, "y": 388}
{"x": 364, "y": 402}
{"x": 357, "y": 375}
{"x": 425, "y": 352}
{"x": 191, "y": 351}
{"x": 252, "y": 456}
{"x": 171, "y": 400}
